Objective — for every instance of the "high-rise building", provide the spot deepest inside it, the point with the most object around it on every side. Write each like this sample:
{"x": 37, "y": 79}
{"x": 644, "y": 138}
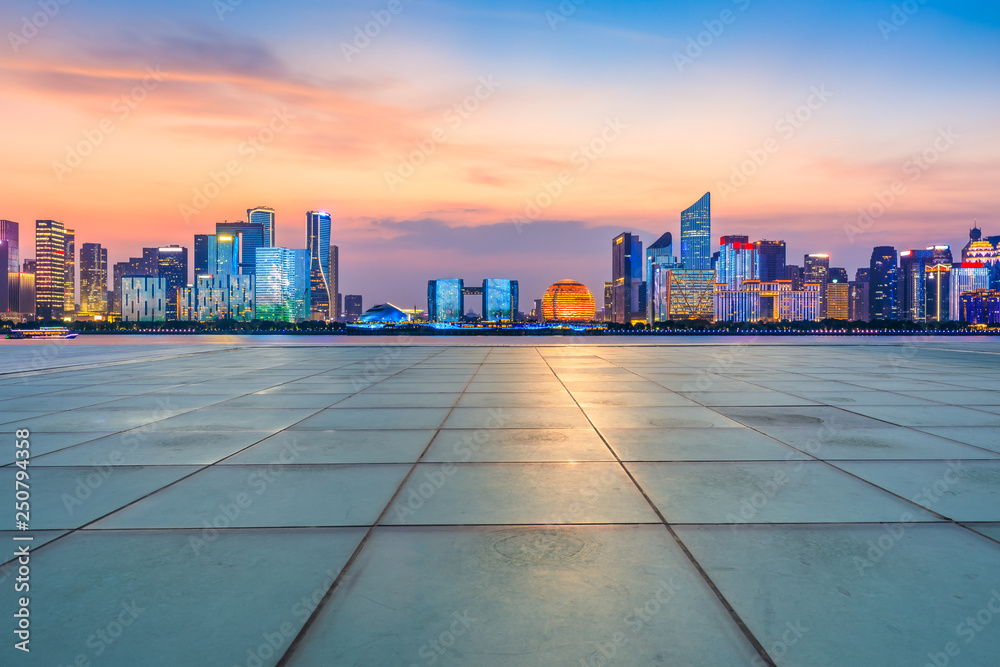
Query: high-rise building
{"x": 696, "y": 235}
{"x": 264, "y": 216}
{"x": 859, "y": 309}
{"x": 770, "y": 260}
{"x": 221, "y": 297}
{"x": 202, "y": 263}
{"x": 838, "y": 275}
{"x": 882, "y": 271}
{"x": 793, "y": 272}
{"x": 966, "y": 277}
{"x": 682, "y": 294}
{"x": 609, "y": 301}
{"x": 937, "y": 293}
{"x": 318, "y": 224}
{"x": 445, "y": 300}
{"x": 629, "y": 303}
{"x": 93, "y": 278}
{"x": 30, "y": 266}
{"x": 335, "y": 310}
{"x": 757, "y": 300}
{"x": 981, "y": 307}
{"x": 985, "y": 251}
{"x": 144, "y": 299}
{"x": 21, "y": 294}
{"x": 227, "y": 254}
{"x": 660, "y": 253}
{"x": 4, "y": 278}
{"x": 251, "y": 236}
{"x": 913, "y": 266}
{"x": 282, "y": 285}
{"x": 499, "y": 300}
{"x": 816, "y": 271}
{"x": 838, "y": 301}
{"x": 10, "y": 234}
{"x": 738, "y": 261}
{"x": 69, "y": 241}
{"x": 50, "y": 269}
{"x": 352, "y": 307}
{"x": 172, "y": 265}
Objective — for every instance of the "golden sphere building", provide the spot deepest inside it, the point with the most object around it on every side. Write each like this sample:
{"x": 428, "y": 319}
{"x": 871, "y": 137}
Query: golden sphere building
{"x": 568, "y": 301}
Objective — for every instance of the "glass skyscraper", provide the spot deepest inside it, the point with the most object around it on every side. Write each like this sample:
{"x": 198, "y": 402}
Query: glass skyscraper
{"x": 264, "y": 216}
{"x": 499, "y": 300}
{"x": 629, "y": 297}
{"x": 172, "y": 264}
{"x": 696, "y": 235}
{"x": 882, "y": 284}
{"x": 9, "y": 233}
{"x": 737, "y": 261}
{"x": 69, "y": 241}
{"x": 445, "y": 300}
{"x": 282, "y": 289}
{"x": 251, "y": 236}
{"x": 660, "y": 253}
{"x": 318, "y": 244}
{"x": 50, "y": 269}
{"x": 93, "y": 278}
{"x": 966, "y": 277}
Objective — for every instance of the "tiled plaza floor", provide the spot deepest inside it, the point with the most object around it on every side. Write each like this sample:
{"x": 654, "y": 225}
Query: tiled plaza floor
{"x": 773, "y": 503}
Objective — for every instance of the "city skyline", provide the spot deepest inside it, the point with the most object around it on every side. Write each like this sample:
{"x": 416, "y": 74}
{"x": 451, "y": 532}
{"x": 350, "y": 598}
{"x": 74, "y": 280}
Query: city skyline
{"x": 802, "y": 144}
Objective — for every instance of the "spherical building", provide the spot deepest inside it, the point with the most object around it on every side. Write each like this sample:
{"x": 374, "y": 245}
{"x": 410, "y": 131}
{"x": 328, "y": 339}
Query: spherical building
{"x": 568, "y": 301}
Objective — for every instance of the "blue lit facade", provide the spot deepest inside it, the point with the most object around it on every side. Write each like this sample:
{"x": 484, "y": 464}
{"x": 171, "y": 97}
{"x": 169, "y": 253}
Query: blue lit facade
{"x": 250, "y": 236}
{"x": 282, "y": 285}
{"x": 758, "y": 301}
{"x": 628, "y": 302}
{"x": 144, "y": 299}
{"x": 966, "y": 277}
{"x": 445, "y": 300}
{"x": 318, "y": 226}
{"x": 738, "y": 261}
{"x": 263, "y": 216}
{"x": 500, "y": 300}
{"x": 696, "y": 235}
{"x": 225, "y": 297}
{"x": 659, "y": 254}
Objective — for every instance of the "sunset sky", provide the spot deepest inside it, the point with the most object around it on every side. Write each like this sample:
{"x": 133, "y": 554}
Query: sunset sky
{"x": 338, "y": 121}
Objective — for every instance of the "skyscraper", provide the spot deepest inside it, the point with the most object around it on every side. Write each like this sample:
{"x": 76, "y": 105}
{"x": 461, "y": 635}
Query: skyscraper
{"x": 10, "y": 234}
{"x": 737, "y": 261}
{"x": 264, "y": 216}
{"x": 69, "y": 240}
{"x": 770, "y": 260}
{"x": 335, "y": 283}
{"x": 282, "y": 288}
{"x": 660, "y": 253}
{"x": 629, "y": 304}
{"x": 696, "y": 235}
{"x": 318, "y": 244}
{"x": 202, "y": 263}
{"x": 50, "y": 269}
{"x": 93, "y": 278}
{"x": 816, "y": 271}
{"x": 352, "y": 307}
{"x": 937, "y": 293}
{"x": 966, "y": 277}
{"x": 860, "y": 293}
{"x": 172, "y": 265}
{"x": 251, "y": 236}
{"x": 4, "y": 278}
{"x": 499, "y": 300}
{"x": 882, "y": 286}
{"x": 445, "y": 300}
{"x": 912, "y": 264}
{"x": 144, "y": 299}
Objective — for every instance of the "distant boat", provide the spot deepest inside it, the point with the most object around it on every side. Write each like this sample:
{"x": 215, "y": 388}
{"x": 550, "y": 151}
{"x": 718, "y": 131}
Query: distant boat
{"x": 45, "y": 333}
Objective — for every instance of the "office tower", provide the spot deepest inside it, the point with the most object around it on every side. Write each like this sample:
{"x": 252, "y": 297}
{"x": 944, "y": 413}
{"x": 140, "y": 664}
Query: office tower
{"x": 172, "y": 264}
{"x": 981, "y": 307}
{"x": 144, "y": 299}
{"x": 682, "y": 294}
{"x": 93, "y": 278}
{"x": 568, "y": 301}
{"x": 536, "y": 312}
{"x": 50, "y": 269}
{"x": 660, "y": 253}
{"x": 838, "y": 301}
{"x": 882, "y": 292}
{"x": 340, "y": 307}
{"x": 628, "y": 304}
{"x": 318, "y": 244}
{"x": 816, "y": 271}
{"x": 264, "y": 216}
{"x": 912, "y": 264}
{"x": 4, "y": 278}
{"x": 862, "y": 275}
{"x": 69, "y": 242}
{"x": 966, "y": 277}
{"x": 227, "y": 254}
{"x": 499, "y": 300}
{"x": 202, "y": 264}
{"x": 251, "y": 236}
{"x": 609, "y": 301}
{"x": 21, "y": 294}
{"x": 759, "y": 300}
{"x": 793, "y": 272}
{"x": 696, "y": 235}
{"x": 737, "y": 261}
{"x": 10, "y": 235}
{"x": 445, "y": 300}
{"x": 222, "y": 297}
{"x": 937, "y": 293}
{"x": 334, "y": 273}
{"x": 770, "y": 260}
{"x": 838, "y": 275}
{"x": 282, "y": 287}
{"x": 859, "y": 291}
{"x": 352, "y": 307}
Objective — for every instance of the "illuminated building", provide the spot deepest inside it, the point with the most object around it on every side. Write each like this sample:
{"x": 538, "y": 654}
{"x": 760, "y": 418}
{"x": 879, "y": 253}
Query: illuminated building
{"x": 282, "y": 285}
{"x": 500, "y": 300}
{"x": 93, "y": 278}
{"x": 335, "y": 309}
{"x": 69, "y": 242}
{"x": 144, "y": 299}
{"x": 227, "y": 254}
{"x": 568, "y": 301}
{"x": 696, "y": 235}
{"x": 50, "y": 269}
{"x": 263, "y": 216}
{"x": 172, "y": 265}
{"x": 629, "y": 299}
{"x": 224, "y": 297}
{"x": 682, "y": 294}
{"x": 318, "y": 231}
{"x": 816, "y": 271}
{"x": 660, "y": 253}
{"x": 966, "y": 277}
{"x": 770, "y": 260}
{"x": 383, "y": 314}
{"x": 937, "y": 293}
{"x": 981, "y": 307}
{"x": 609, "y": 302}
{"x": 21, "y": 294}
{"x": 446, "y": 300}
{"x": 737, "y": 261}
{"x": 249, "y": 236}
{"x": 859, "y": 310}
{"x": 882, "y": 272}
{"x": 913, "y": 265}
{"x": 352, "y": 307}
{"x": 838, "y": 300}
{"x": 10, "y": 235}
{"x": 776, "y": 300}
{"x": 202, "y": 264}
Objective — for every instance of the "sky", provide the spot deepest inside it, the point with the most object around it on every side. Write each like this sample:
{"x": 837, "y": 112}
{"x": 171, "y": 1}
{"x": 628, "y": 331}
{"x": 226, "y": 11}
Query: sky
{"x": 514, "y": 140}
